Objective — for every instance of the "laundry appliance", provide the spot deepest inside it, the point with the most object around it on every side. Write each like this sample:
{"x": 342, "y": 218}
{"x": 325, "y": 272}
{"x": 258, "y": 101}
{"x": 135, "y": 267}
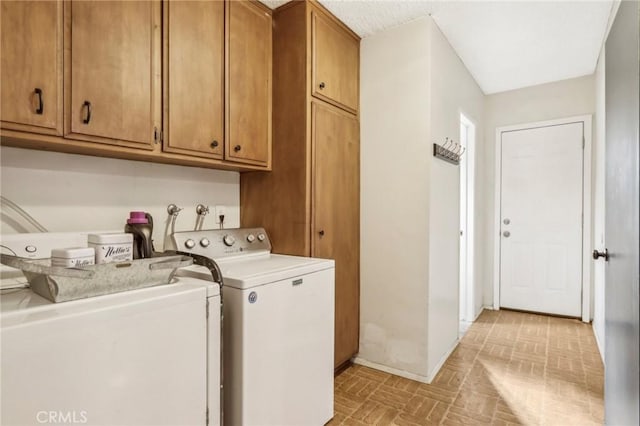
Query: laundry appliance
{"x": 278, "y": 333}
{"x": 142, "y": 357}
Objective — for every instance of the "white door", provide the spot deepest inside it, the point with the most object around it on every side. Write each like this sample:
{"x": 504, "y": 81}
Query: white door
{"x": 541, "y": 219}
{"x": 622, "y": 219}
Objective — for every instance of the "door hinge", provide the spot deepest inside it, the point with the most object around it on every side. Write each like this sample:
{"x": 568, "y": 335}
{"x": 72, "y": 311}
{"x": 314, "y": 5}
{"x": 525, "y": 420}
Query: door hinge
{"x": 157, "y": 135}
{"x": 583, "y": 142}
{"x": 207, "y": 308}
{"x": 207, "y": 415}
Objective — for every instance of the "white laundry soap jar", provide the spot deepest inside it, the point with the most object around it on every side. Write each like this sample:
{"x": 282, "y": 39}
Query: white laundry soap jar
{"x": 73, "y": 257}
{"x": 112, "y": 247}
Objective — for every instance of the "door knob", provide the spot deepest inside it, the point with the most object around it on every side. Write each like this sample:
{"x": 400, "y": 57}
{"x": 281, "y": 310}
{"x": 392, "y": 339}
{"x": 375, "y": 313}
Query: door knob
{"x": 506, "y": 221}
{"x": 597, "y": 254}
{"x": 506, "y": 234}
{"x": 322, "y": 85}
{"x": 321, "y": 233}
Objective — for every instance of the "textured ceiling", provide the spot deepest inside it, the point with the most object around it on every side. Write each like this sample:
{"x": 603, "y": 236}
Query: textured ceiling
{"x": 504, "y": 44}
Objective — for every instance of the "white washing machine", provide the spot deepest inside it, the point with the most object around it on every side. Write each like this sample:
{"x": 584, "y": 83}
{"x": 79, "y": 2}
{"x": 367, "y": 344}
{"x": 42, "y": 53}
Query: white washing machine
{"x": 278, "y": 338}
{"x": 143, "y": 357}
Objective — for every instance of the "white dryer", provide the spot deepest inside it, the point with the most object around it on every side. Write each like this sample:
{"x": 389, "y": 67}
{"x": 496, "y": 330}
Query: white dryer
{"x": 145, "y": 357}
{"x": 278, "y": 337}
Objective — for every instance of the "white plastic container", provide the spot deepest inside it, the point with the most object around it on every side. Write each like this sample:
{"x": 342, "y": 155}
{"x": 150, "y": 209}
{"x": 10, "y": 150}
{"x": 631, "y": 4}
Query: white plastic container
{"x": 112, "y": 247}
{"x": 72, "y": 257}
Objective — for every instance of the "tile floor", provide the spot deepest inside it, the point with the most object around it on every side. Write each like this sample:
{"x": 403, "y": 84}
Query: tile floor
{"x": 510, "y": 368}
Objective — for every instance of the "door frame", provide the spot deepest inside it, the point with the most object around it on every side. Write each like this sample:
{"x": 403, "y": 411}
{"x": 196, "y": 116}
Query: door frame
{"x": 586, "y": 121}
{"x": 469, "y": 314}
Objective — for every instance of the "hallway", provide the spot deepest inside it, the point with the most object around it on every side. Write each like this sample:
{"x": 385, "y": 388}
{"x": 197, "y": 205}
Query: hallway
{"x": 509, "y": 368}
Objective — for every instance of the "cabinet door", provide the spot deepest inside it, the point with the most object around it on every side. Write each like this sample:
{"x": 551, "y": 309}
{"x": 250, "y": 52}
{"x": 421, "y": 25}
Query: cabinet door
{"x": 194, "y": 78}
{"x": 336, "y": 213}
{"x": 31, "y": 70}
{"x": 113, "y": 67}
{"x": 249, "y": 77}
{"x": 335, "y": 63}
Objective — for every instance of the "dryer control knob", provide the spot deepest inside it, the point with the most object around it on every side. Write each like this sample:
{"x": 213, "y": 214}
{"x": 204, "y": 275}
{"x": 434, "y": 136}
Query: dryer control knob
{"x": 251, "y": 238}
{"x": 189, "y": 243}
{"x": 229, "y": 240}
{"x": 204, "y": 242}
{"x": 261, "y": 237}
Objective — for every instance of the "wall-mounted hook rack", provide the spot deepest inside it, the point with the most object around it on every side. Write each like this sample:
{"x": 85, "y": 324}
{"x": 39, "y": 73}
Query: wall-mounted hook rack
{"x": 449, "y": 151}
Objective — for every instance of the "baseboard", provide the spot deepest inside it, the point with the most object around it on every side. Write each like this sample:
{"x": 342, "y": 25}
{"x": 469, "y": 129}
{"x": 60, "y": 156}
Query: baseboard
{"x": 600, "y": 348}
{"x": 444, "y": 359}
{"x": 482, "y": 308}
{"x": 391, "y": 370}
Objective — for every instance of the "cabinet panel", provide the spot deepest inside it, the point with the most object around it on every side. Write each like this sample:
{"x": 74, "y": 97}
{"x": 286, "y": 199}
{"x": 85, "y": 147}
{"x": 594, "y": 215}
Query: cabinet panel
{"x": 335, "y": 63}
{"x": 336, "y": 214}
{"x": 112, "y": 70}
{"x": 31, "y": 70}
{"x": 194, "y": 78}
{"x": 249, "y": 77}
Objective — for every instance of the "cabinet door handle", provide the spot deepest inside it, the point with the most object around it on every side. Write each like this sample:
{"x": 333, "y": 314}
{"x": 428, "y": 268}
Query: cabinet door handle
{"x": 87, "y": 105}
{"x": 321, "y": 85}
{"x": 321, "y": 232}
{"x": 40, "y": 108}
{"x": 237, "y": 148}
{"x": 214, "y": 144}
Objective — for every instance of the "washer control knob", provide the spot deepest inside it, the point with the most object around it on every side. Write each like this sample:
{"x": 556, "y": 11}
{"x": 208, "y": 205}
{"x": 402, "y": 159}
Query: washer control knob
{"x": 189, "y": 243}
{"x": 229, "y": 240}
{"x": 251, "y": 238}
{"x": 204, "y": 242}
{"x": 30, "y": 249}
{"x": 261, "y": 237}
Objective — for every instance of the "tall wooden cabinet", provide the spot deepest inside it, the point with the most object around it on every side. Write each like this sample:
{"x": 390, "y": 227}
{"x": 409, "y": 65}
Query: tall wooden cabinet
{"x": 31, "y": 70}
{"x": 310, "y": 201}
{"x": 335, "y": 214}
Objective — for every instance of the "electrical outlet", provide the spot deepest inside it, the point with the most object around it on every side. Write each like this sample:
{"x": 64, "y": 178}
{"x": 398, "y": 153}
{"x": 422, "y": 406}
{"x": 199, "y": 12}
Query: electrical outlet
{"x": 220, "y": 211}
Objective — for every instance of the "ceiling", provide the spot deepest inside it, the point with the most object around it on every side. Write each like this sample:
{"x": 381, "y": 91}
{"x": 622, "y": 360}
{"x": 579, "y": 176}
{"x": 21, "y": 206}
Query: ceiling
{"x": 505, "y": 44}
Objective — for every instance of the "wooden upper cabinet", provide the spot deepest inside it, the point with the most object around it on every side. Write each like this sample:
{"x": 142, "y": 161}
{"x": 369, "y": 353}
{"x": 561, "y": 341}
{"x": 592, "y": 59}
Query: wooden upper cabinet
{"x": 194, "y": 78}
{"x": 335, "y": 63}
{"x": 31, "y": 70}
{"x": 113, "y": 71}
{"x": 249, "y": 80}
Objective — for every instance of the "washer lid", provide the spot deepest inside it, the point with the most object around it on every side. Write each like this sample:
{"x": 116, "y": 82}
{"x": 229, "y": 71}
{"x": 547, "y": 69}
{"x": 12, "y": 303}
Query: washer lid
{"x": 251, "y": 271}
{"x": 20, "y": 307}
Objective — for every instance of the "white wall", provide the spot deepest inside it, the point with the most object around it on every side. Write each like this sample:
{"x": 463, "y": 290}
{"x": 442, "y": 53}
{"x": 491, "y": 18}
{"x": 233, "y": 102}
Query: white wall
{"x": 413, "y": 88}
{"x": 394, "y": 202}
{"x": 453, "y": 90}
{"x": 66, "y": 192}
{"x": 598, "y": 199}
{"x": 550, "y": 101}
